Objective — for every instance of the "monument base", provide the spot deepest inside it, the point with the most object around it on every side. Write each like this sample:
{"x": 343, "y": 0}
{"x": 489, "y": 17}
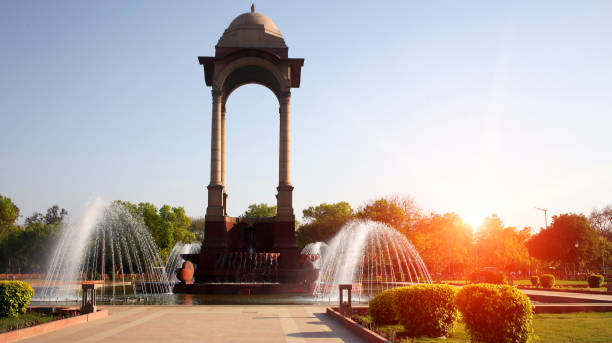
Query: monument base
{"x": 249, "y": 256}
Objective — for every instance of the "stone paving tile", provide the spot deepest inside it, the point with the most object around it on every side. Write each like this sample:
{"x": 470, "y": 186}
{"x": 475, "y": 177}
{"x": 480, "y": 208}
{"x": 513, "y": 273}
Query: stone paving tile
{"x": 134, "y": 324}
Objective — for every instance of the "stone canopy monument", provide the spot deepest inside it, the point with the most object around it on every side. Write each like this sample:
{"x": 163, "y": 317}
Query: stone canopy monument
{"x": 260, "y": 254}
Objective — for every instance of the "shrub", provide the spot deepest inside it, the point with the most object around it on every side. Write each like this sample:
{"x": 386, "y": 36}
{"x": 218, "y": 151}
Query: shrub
{"x": 381, "y": 308}
{"x": 14, "y": 297}
{"x": 426, "y": 310}
{"x": 535, "y": 280}
{"x": 595, "y": 280}
{"x": 489, "y": 276}
{"x": 547, "y": 280}
{"x": 495, "y": 313}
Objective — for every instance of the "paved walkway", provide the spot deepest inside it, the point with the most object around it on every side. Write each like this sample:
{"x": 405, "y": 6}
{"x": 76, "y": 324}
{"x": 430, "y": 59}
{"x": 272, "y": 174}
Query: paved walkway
{"x": 299, "y": 324}
{"x": 569, "y": 295}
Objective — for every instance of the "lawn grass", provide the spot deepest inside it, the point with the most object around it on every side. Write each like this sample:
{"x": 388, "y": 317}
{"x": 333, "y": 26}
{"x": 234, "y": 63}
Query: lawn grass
{"x": 20, "y": 321}
{"x": 591, "y": 327}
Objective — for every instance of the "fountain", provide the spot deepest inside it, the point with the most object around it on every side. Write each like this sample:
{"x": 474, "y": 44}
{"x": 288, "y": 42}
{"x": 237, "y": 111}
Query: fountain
{"x": 175, "y": 260}
{"x": 372, "y": 257}
{"x": 111, "y": 245}
{"x": 314, "y": 252}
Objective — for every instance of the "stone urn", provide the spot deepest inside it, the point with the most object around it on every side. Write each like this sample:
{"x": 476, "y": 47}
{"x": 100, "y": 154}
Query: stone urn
{"x": 185, "y": 274}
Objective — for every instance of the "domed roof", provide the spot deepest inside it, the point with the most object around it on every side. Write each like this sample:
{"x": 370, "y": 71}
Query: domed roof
{"x": 253, "y": 30}
{"x": 254, "y": 18}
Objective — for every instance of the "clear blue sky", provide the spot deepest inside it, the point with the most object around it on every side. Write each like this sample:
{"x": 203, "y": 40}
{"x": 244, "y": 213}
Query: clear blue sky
{"x": 476, "y": 107}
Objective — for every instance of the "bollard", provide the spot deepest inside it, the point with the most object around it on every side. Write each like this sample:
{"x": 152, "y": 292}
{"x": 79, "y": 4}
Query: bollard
{"x": 345, "y": 306}
{"x": 88, "y": 303}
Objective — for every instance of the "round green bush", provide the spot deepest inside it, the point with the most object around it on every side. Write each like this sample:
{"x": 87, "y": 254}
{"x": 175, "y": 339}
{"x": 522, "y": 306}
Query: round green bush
{"x": 535, "y": 280}
{"x": 426, "y": 310}
{"x": 495, "y": 313}
{"x": 14, "y": 297}
{"x": 381, "y": 308}
{"x": 547, "y": 280}
{"x": 595, "y": 280}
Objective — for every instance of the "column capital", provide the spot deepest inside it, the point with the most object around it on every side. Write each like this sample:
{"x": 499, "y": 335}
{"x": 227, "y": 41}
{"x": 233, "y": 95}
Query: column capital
{"x": 216, "y": 95}
{"x": 284, "y": 97}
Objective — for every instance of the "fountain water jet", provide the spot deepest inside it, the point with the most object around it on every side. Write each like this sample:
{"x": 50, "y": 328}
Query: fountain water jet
{"x": 373, "y": 257}
{"x": 107, "y": 240}
{"x": 314, "y": 252}
{"x": 175, "y": 260}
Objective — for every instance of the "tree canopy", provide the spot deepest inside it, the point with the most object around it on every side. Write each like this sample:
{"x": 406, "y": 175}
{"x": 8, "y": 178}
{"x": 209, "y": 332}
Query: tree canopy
{"x": 260, "y": 211}
{"x": 9, "y": 212}
{"x": 322, "y": 222}
{"x": 569, "y": 241}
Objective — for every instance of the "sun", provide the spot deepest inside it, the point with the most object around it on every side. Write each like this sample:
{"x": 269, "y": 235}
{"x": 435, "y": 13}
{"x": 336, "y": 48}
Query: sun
{"x": 474, "y": 220}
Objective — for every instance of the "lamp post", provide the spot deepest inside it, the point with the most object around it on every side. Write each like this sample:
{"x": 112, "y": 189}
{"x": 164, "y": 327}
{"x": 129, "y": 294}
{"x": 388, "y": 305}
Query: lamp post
{"x": 545, "y": 219}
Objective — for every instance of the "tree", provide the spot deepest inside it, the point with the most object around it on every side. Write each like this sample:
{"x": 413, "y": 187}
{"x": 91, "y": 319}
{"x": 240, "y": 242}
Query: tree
{"x": 197, "y": 228}
{"x": 502, "y": 247}
{"x": 53, "y": 216}
{"x": 260, "y": 211}
{"x": 9, "y": 212}
{"x": 322, "y": 222}
{"x": 601, "y": 221}
{"x": 444, "y": 242}
{"x": 396, "y": 211}
{"x": 180, "y": 223}
{"x": 568, "y": 241}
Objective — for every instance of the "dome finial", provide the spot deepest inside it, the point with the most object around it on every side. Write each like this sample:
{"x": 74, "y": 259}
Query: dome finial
{"x": 252, "y": 7}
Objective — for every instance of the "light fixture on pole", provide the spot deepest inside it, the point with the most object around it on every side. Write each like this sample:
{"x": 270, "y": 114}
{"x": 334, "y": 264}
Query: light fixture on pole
{"x": 545, "y": 219}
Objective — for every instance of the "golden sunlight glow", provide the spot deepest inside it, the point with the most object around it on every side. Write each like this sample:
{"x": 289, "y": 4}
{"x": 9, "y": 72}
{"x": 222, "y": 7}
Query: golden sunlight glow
{"x": 474, "y": 220}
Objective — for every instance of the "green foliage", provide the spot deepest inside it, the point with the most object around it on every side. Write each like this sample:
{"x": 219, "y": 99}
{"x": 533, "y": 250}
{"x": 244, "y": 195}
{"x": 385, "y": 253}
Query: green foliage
{"x": 14, "y": 297}
{"x": 382, "y": 308}
{"x": 569, "y": 241}
{"x": 322, "y": 222}
{"x": 398, "y": 212}
{"x": 495, "y": 313}
{"x": 535, "y": 280}
{"x": 601, "y": 221}
{"x": 9, "y": 212}
{"x": 443, "y": 241}
{"x": 547, "y": 280}
{"x": 260, "y": 211}
{"x": 197, "y": 228}
{"x": 27, "y": 249}
{"x": 502, "y": 247}
{"x": 489, "y": 276}
{"x": 595, "y": 280}
{"x": 53, "y": 216}
{"x": 426, "y": 310}
{"x": 167, "y": 226}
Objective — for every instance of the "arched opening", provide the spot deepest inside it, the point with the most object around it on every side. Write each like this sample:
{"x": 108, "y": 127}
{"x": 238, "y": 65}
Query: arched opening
{"x": 250, "y": 74}
{"x": 251, "y": 148}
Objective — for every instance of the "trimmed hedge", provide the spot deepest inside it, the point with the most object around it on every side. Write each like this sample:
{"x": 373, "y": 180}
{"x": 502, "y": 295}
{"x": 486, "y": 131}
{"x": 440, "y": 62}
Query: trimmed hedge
{"x": 535, "y": 280}
{"x": 489, "y": 276}
{"x": 495, "y": 313}
{"x": 14, "y": 297}
{"x": 547, "y": 280}
{"x": 381, "y": 308}
{"x": 426, "y": 310}
{"x": 595, "y": 280}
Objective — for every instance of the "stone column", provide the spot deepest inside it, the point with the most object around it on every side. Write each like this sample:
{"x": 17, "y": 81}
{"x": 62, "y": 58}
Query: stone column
{"x": 285, "y": 189}
{"x": 215, "y": 188}
{"x": 223, "y": 159}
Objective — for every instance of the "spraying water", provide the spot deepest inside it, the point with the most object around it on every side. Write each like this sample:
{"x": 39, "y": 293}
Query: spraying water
{"x": 372, "y": 257}
{"x": 316, "y": 252}
{"x": 110, "y": 245}
{"x": 175, "y": 260}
